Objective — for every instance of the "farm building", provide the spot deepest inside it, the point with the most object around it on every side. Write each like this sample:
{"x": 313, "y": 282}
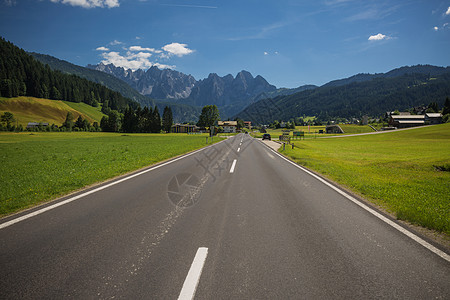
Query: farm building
{"x": 433, "y": 118}
{"x": 333, "y": 129}
{"x": 405, "y": 121}
{"x": 184, "y": 128}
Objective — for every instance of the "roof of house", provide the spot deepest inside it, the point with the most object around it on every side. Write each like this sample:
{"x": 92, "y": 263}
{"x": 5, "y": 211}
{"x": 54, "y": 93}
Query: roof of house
{"x": 227, "y": 123}
{"x": 183, "y": 125}
{"x": 408, "y": 117}
{"x": 434, "y": 115}
{"x": 411, "y": 122}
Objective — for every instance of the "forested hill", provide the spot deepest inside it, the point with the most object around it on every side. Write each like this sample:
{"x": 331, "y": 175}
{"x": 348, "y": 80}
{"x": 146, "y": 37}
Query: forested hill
{"x": 373, "y": 97}
{"x": 22, "y": 75}
{"x": 107, "y": 80}
{"x": 418, "y": 69}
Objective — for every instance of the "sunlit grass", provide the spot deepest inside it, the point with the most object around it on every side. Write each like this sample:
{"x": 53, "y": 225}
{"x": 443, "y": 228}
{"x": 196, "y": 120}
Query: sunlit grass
{"x": 40, "y": 166}
{"x": 397, "y": 170}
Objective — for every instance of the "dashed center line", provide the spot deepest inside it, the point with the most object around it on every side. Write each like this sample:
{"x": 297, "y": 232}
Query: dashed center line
{"x": 193, "y": 277}
{"x": 239, "y": 149}
{"x": 233, "y": 166}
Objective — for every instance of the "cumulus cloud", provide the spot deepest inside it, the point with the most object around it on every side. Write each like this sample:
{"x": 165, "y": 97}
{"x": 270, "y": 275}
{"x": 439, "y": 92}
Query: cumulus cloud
{"x": 436, "y": 28}
{"x": 139, "y": 48}
{"x": 89, "y": 3}
{"x": 378, "y": 37}
{"x": 139, "y": 57}
{"x": 448, "y": 11}
{"x": 133, "y": 61}
{"x": 177, "y": 49}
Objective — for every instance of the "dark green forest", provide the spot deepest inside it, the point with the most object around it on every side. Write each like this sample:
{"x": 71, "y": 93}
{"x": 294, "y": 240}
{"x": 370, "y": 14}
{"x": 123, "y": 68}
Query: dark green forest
{"x": 22, "y": 75}
{"x": 373, "y": 98}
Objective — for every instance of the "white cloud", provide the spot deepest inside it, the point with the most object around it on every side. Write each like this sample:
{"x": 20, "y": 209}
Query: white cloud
{"x": 448, "y": 11}
{"x": 266, "y": 53}
{"x": 177, "y": 49}
{"x": 139, "y": 57}
{"x": 90, "y": 3}
{"x": 443, "y": 27}
{"x": 115, "y": 43}
{"x": 378, "y": 37}
{"x": 133, "y": 61}
{"x": 139, "y": 48}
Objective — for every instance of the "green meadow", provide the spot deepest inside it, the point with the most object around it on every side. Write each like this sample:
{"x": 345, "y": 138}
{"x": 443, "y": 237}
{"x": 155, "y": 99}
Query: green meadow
{"x": 313, "y": 131}
{"x": 405, "y": 172}
{"x": 38, "y": 167}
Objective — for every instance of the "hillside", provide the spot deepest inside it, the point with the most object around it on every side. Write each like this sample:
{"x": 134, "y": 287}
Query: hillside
{"x": 429, "y": 70}
{"x": 30, "y": 109}
{"x": 373, "y": 97}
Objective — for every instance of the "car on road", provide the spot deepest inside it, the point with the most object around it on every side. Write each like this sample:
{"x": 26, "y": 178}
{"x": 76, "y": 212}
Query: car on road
{"x": 266, "y": 136}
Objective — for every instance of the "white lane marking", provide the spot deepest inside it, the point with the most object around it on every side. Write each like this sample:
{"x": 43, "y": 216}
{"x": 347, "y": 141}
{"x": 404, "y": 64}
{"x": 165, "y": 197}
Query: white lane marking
{"x": 193, "y": 277}
{"x": 270, "y": 155}
{"x": 239, "y": 149}
{"x": 233, "y": 166}
{"x": 373, "y": 212}
{"x": 40, "y": 211}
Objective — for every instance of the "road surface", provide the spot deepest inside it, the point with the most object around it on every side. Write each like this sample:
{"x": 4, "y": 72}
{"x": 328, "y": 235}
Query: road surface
{"x": 232, "y": 221}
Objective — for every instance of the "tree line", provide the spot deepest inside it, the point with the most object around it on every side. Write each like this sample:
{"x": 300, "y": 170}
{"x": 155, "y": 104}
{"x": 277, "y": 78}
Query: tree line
{"x": 146, "y": 120}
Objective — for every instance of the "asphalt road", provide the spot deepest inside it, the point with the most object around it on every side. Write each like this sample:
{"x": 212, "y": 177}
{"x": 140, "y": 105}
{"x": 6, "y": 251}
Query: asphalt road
{"x": 232, "y": 221}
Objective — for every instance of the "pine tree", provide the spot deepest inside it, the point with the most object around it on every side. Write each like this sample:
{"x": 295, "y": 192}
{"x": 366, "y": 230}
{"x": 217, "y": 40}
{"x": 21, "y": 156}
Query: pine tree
{"x": 446, "y": 109}
{"x": 167, "y": 119}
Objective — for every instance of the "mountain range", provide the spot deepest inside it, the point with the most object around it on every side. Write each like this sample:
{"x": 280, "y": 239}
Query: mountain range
{"x": 254, "y": 99}
{"x": 231, "y": 94}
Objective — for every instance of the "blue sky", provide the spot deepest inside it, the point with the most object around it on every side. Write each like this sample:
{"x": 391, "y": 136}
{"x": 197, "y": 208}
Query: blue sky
{"x": 288, "y": 42}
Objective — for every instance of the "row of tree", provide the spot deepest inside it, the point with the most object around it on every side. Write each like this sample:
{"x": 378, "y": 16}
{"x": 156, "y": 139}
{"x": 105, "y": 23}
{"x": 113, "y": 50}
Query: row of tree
{"x": 22, "y": 75}
{"x": 146, "y": 120}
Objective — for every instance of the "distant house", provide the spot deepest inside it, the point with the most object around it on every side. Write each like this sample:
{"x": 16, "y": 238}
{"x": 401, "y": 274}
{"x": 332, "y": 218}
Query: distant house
{"x": 228, "y": 126}
{"x": 36, "y": 124}
{"x": 405, "y": 121}
{"x": 184, "y": 128}
{"x": 248, "y": 125}
{"x": 433, "y": 118}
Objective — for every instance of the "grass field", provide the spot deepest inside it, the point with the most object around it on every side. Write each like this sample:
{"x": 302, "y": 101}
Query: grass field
{"x": 40, "y": 166}
{"x": 29, "y": 109}
{"x": 313, "y": 131}
{"x": 403, "y": 171}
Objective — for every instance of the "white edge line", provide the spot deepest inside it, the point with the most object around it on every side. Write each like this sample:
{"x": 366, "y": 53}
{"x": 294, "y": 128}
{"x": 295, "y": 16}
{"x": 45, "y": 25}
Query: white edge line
{"x": 193, "y": 277}
{"x": 233, "y": 166}
{"x": 40, "y": 211}
{"x": 373, "y": 212}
